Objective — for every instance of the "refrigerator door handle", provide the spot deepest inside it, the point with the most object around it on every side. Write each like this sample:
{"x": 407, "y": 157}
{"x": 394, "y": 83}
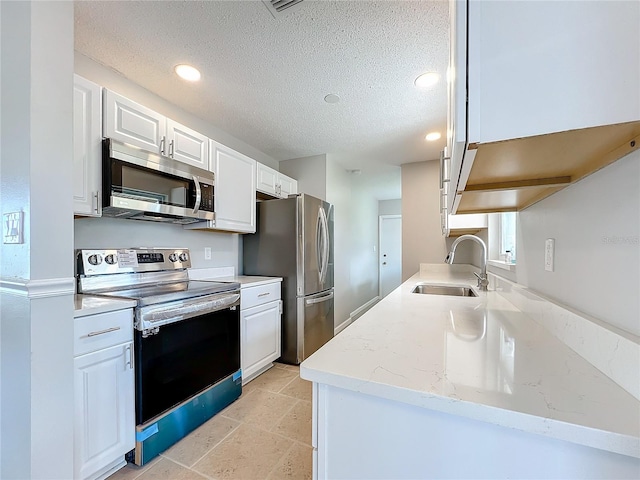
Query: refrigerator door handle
{"x": 325, "y": 245}
{"x": 312, "y": 301}
{"x": 319, "y": 244}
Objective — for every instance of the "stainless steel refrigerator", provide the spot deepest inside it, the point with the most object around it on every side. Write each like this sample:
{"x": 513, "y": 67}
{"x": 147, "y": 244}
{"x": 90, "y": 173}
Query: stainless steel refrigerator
{"x": 294, "y": 240}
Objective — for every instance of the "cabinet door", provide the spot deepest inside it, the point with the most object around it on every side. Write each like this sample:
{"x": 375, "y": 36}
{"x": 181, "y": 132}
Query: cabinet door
{"x": 131, "y": 123}
{"x": 534, "y": 69}
{"x": 235, "y": 190}
{"x": 104, "y": 418}
{"x": 186, "y": 145}
{"x": 260, "y": 338}
{"x": 87, "y": 147}
{"x": 267, "y": 179}
{"x": 287, "y": 185}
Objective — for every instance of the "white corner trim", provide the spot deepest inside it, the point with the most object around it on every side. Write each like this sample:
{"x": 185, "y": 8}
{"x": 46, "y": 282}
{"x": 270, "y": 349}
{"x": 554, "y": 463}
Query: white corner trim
{"x": 50, "y": 287}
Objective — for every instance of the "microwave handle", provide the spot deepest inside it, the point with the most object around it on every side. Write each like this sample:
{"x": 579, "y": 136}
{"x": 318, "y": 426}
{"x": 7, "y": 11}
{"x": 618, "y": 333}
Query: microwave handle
{"x": 196, "y": 207}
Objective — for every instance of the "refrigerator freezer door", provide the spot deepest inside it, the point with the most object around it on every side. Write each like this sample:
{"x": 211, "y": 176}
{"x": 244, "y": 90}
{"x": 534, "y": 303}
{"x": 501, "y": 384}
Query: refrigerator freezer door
{"x": 315, "y": 322}
{"x": 315, "y": 227}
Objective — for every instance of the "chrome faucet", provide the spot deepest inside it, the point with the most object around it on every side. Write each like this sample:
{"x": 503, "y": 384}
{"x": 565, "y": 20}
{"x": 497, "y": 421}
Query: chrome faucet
{"x": 483, "y": 281}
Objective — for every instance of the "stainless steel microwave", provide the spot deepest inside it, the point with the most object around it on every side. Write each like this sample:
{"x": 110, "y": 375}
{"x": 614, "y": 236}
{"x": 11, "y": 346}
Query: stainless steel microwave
{"x": 141, "y": 185}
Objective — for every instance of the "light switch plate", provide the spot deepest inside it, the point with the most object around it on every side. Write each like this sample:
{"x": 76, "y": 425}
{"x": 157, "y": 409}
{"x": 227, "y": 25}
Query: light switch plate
{"x": 207, "y": 253}
{"x": 549, "y": 246}
{"x": 12, "y": 224}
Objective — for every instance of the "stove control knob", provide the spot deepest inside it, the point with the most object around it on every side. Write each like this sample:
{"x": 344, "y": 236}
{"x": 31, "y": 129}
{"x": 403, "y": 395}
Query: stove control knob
{"x": 111, "y": 259}
{"x": 95, "y": 259}
{"x": 173, "y": 257}
{"x": 183, "y": 257}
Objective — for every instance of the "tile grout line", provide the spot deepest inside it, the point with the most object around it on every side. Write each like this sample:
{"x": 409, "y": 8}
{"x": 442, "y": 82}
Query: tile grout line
{"x": 223, "y": 439}
{"x": 277, "y": 463}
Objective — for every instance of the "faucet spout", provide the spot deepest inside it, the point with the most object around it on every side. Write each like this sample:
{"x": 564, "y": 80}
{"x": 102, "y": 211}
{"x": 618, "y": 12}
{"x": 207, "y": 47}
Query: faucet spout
{"x": 483, "y": 282}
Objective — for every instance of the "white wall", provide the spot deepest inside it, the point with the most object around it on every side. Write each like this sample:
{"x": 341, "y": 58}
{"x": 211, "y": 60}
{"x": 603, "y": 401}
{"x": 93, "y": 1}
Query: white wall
{"x": 121, "y": 233}
{"x": 105, "y": 77}
{"x": 310, "y": 172}
{"x": 339, "y": 194}
{"x": 36, "y": 172}
{"x": 364, "y": 237}
{"x": 422, "y": 240}
{"x": 596, "y": 227}
{"x": 390, "y": 207}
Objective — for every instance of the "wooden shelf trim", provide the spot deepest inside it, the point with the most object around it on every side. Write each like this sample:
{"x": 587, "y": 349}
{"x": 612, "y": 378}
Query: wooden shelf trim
{"x": 520, "y": 184}
{"x": 512, "y": 175}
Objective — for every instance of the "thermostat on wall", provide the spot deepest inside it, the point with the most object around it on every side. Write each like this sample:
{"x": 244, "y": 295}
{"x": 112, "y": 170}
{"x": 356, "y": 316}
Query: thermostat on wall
{"x": 12, "y": 227}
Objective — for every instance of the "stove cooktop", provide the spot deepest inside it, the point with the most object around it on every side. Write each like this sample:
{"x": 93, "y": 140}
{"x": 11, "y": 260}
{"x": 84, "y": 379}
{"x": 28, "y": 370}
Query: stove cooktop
{"x": 153, "y": 294}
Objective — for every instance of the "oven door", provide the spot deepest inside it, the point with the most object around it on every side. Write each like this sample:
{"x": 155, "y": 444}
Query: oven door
{"x": 183, "y": 359}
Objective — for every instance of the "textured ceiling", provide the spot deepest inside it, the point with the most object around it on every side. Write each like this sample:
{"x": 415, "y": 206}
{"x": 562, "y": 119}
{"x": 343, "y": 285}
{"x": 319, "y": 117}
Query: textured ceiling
{"x": 264, "y": 78}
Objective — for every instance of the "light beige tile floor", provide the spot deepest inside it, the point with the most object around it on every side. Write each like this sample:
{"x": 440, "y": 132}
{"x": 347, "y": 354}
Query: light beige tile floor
{"x": 264, "y": 435}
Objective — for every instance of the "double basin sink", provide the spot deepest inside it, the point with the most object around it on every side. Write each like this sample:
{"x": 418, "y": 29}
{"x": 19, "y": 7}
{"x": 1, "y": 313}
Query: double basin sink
{"x": 455, "y": 290}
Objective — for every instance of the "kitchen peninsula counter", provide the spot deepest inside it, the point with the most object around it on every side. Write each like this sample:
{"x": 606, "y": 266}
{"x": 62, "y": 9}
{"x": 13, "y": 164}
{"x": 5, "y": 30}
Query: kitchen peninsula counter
{"x": 420, "y": 381}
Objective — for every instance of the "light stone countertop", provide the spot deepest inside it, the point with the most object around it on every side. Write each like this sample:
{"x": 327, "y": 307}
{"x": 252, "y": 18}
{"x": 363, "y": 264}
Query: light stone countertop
{"x": 92, "y": 305}
{"x": 479, "y": 358}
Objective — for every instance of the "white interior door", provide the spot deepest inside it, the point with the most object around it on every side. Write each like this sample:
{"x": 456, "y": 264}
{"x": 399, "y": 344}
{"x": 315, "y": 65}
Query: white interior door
{"x": 390, "y": 259}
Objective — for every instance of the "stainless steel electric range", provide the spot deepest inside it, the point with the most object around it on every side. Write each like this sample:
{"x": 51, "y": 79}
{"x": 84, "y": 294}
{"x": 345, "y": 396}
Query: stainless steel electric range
{"x": 186, "y": 338}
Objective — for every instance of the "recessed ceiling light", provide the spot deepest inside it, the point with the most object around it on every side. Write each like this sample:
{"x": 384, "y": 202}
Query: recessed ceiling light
{"x": 187, "y": 72}
{"x": 427, "y": 80}
{"x": 432, "y": 136}
{"x": 332, "y": 98}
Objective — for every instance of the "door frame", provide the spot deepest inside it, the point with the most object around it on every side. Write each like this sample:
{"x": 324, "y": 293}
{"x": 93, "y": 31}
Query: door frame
{"x": 380, "y": 220}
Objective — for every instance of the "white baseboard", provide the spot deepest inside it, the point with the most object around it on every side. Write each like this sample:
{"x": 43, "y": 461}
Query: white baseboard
{"x": 357, "y": 313}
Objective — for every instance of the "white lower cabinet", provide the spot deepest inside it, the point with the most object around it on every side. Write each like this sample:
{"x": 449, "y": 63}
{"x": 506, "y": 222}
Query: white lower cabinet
{"x": 104, "y": 408}
{"x": 260, "y": 327}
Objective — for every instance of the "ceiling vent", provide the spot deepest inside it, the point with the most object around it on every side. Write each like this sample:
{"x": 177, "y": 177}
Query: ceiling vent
{"x": 278, "y": 7}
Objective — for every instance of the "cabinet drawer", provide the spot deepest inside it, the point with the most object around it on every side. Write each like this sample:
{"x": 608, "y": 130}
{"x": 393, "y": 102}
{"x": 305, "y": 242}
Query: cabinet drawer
{"x": 95, "y": 332}
{"x": 252, "y": 296}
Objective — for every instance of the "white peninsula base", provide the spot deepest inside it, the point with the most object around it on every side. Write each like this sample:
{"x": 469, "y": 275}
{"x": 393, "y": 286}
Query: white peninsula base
{"x": 359, "y": 436}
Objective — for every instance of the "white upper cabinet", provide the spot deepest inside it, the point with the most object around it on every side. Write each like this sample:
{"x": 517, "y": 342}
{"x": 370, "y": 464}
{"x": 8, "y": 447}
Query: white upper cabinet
{"x": 135, "y": 124}
{"x": 274, "y": 183}
{"x": 132, "y": 123}
{"x": 187, "y": 145}
{"x": 235, "y": 189}
{"x": 551, "y": 88}
{"x": 87, "y": 147}
{"x": 288, "y": 186}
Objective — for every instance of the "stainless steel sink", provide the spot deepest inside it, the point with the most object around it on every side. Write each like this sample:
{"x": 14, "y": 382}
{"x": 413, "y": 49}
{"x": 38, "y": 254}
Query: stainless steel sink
{"x": 455, "y": 290}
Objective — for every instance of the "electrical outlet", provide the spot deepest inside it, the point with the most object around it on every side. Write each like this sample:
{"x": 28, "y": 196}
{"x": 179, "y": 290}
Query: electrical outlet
{"x": 549, "y": 246}
{"x": 207, "y": 253}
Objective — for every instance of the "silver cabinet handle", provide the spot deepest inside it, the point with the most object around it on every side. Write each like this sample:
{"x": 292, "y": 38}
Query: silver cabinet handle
{"x": 162, "y": 141}
{"x": 129, "y": 352}
{"x": 96, "y": 201}
{"x": 93, "y": 334}
{"x": 443, "y": 167}
{"x": 313, "y": 301}
{"x": 264, "y": 294}
{"x": 171, "y": 148}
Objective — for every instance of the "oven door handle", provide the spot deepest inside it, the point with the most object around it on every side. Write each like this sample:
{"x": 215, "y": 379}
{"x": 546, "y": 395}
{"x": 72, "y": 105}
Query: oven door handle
{"x": 196, "y": 207}
{"x": 157, "y": 315}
